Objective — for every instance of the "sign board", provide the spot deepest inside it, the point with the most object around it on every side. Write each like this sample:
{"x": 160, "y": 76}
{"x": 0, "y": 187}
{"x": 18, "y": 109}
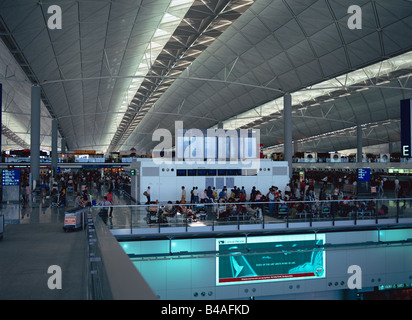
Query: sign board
{"x": 406, "y": 131}
{"x": 10, "y": 178}
{"x": 364, "y": 178}
{"x": 364, "y": 174}
{"x": 270, "y": 258}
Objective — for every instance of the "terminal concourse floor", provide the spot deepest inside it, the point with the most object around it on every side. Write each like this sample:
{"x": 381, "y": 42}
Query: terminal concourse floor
{"x": 33, "y": 241}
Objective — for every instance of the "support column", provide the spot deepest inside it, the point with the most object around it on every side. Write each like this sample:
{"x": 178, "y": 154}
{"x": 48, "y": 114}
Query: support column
{"x": 63, "y": 146}
{"x": 295, "y": 147}
{"x": 54, "y": 147}
{"x": 1, "y": 121}
{"x": 288, "y": 144}
{"x": 63, "y": 150}
{"x": 35, "y": 135}
{"x": 390, "y": 148}
{"x": 359, "y": 143}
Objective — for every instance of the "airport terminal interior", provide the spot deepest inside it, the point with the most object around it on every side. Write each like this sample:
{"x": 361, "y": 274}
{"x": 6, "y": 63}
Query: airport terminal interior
{"x": 198, "y": 150}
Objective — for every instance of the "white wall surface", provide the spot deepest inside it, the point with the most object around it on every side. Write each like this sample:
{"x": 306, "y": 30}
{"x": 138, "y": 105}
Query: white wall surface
{"x": 165, "y": 185}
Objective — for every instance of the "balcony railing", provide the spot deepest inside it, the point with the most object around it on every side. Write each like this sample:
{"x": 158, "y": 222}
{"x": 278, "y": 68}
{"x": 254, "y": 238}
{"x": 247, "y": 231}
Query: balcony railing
{"x": 211, "y": 217}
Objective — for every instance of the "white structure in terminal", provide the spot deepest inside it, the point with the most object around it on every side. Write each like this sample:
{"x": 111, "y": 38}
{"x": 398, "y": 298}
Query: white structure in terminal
{"x": 165, "y": 181}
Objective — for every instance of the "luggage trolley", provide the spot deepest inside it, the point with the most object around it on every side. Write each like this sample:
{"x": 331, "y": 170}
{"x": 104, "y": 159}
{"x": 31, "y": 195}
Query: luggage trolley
{"x": 74, "y": 220}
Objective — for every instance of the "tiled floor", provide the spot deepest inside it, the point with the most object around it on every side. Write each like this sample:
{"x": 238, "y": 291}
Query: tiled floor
{"x": 33, "y": 241}
{"x": 41, "y": 210}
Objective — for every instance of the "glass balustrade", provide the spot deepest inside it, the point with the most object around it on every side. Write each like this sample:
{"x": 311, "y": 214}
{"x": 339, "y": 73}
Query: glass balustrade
{"x": 135, "y": 219}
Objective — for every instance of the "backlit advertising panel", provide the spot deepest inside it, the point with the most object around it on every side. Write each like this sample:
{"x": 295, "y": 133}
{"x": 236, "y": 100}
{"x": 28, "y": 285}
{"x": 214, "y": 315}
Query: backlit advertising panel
{"x": 270, "y": 258}
{"x": 406, "y": 132}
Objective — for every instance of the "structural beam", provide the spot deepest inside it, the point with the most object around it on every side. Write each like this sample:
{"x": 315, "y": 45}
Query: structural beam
{"x": 288, "y": 144}
{"x": 54, "y": 147}
{"x": 359, "y": 143}
{"x": 35, "y": 135}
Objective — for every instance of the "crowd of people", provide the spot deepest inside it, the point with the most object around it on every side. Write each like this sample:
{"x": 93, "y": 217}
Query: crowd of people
{"x": 81, "y": 185}
{"x": 338, "y": 190}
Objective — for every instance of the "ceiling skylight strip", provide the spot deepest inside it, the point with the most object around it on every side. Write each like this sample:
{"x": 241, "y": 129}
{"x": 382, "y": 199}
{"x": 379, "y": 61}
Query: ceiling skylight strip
{"x": 170, "y": 21}
{"x": 375, "y": 71}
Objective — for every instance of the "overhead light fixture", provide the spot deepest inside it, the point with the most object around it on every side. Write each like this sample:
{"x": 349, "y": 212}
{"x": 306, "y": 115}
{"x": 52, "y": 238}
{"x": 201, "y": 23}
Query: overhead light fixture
{"x": 362, "y": 89}
{"x": 382, "y": 83}
{"x": 405, "y": 76}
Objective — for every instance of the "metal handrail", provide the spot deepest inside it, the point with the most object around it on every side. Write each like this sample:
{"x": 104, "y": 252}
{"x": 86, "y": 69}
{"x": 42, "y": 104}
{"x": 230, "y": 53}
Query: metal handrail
{"x": 333, "y": 215}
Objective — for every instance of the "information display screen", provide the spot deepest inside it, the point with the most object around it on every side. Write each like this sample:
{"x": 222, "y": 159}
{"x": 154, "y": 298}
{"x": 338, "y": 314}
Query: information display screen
{"x": 364, "y": 174}
{"x": 10, "y": 178}
{"x": 270, "y": 258}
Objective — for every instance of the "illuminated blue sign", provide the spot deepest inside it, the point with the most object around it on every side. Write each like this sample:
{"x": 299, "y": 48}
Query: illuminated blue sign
{"x": 10, "y": 178}
{"x": 406, "y": 132}
{"x": 364, "y": 174}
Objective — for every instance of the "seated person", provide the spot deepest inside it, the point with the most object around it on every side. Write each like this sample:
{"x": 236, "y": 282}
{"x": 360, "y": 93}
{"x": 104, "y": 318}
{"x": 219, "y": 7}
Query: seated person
{"x": 187, "y": 212}
{"x": 169, "y": 210}
{"x": 169, "y": 207}
{"x": 254, "y": 213}
{"x": 155, "y": 208}
{"x": 232, "y": 209}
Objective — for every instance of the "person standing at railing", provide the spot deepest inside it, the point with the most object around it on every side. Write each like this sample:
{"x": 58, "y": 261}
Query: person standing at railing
{"x": 400, "y": 194}
{"x": 62, "y": 196}
{"x": 396, "y": 185}
{"x": 28, "y": 192}
{"x": 196, "y": 195}
{"x": 103, "y": 212}
{"x": 288, "y": 190}
{"x": 253, "y": 194}
{"x": 78, "y": 202}
{"x": 105, "y": 202}
{"x": 147, "y": 194}
{"x": 203, "y": 196}
{"x": 242, "y": 200}
{"x": 380, "y": 189}
{"x": 209, "y": 193}
{"x": 271, "y": 197}
{"x": 183, "y": 198}
{"x": 192, "y": 195}
{"x": 222, "y": 195}
{"x": 243, "y": 191}
{"x": 109, "y": 197}
{"x": 214, "y": 191}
